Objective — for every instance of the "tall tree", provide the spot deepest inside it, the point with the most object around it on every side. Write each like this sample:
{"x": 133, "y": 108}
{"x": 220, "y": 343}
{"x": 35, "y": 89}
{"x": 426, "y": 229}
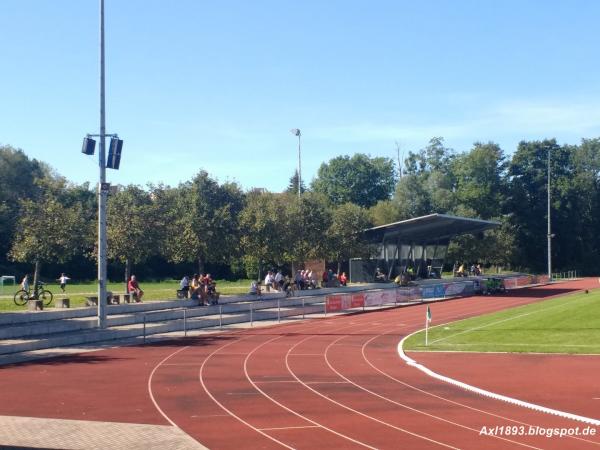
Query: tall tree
{"x": 203, "y": 225}
{"x": 480, "y": 182}
{"x": 293, "y": 184}
{"x": 49, "y": 231}
{"x": 261, "y": 222}
{"x": 359, "y": 179}
{"x": 344, "y": 238}
{"x": 133, "y": 229}
{"x": 16, "y": 174}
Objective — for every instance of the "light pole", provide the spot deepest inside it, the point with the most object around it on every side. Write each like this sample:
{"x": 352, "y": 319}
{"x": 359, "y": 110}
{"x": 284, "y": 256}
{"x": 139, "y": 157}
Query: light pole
{"x": 102, "y": 192}
{"x": 296, "y": 132}
{"x": 549, "y": 225}
{"x": 114, "y": 159}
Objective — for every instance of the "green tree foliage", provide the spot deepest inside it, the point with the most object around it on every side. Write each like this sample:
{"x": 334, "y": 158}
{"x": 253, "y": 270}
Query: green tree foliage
{"x": 133, "y": 226}
{"x": 17, "y": 183}
{"x": 260, "y": 229}
{"x": 304, "y": 227}
{"x": 359, "y": 179}
{"x": 49, "y": 230}
{"x": 202, "y": 225}
{"x": 293, "y": 184}
{"x": 480, "y": 182}
{"x": 344, "y": 238}
{"x": 527, "y": 201}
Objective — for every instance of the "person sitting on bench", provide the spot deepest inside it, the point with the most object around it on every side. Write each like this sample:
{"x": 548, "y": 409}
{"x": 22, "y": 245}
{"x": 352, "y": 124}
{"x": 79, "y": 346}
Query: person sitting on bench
{"x": 134, "y": 289}
{"x": 379, "y": 275}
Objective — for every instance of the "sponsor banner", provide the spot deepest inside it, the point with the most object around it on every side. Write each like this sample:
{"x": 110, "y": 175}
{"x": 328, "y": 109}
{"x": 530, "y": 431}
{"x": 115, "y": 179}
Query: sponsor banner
{"x": 452, "y": 289}
{"x": 357, "y": 301}
{"x": 435, "y": 291}
{"x": 333, "y": 303}
{"x": 342, "y": 302}
{"x": 380, "y": 297}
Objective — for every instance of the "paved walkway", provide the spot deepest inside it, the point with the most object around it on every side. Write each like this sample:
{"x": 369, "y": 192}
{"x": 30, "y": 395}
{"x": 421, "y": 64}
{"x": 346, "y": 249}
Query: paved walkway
{"x": 82, "y": 434}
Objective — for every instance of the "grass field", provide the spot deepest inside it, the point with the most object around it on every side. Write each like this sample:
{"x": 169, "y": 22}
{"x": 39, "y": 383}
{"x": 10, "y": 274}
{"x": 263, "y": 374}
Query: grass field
{"x": 569, "y": 324}
{"x": 164, "y": 290}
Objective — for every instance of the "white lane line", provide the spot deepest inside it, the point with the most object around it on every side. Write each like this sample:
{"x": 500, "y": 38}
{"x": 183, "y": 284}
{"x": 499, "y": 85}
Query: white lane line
{"x": 228, "y": 411}
{"x": 410, "y": 408}
{"x": 453, "y": 402}
{"x": 290, "y": 428}
{"x": 150, "y": 385}
{"x": 468, "y": 387}
{"x": 402, "y": 404}
{"x": 354, "y": 410}
{"x": 290, "y": 410}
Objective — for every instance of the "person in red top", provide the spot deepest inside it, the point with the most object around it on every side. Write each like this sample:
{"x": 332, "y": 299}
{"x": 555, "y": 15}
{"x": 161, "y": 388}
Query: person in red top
{"x": 343, "y": 279}
{"x": 134, "y": 288}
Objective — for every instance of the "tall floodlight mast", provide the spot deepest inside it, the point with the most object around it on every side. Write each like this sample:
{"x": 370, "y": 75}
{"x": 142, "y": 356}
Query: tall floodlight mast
{"x": 296, "y": 132}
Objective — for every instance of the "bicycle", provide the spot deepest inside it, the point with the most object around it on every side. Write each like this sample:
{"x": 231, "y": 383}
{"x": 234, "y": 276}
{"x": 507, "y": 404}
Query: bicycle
{"x": 39, "y": 293}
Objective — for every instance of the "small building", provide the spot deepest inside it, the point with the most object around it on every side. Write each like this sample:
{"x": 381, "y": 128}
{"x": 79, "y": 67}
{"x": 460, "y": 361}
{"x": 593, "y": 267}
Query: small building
{"x": 417, "y": 246}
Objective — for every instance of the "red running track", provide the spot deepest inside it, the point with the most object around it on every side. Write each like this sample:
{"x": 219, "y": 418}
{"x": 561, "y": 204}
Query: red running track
{"x": 327, "y": 383}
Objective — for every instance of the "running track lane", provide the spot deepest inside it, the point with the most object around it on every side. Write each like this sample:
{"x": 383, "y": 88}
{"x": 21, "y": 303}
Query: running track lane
{"x": 287, "y": 389}
{"x": 336, "y": 382}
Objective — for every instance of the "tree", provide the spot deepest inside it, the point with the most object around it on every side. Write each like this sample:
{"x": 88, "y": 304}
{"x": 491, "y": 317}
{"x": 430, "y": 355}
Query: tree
{"x": 479, "y": 180}
{"x": 359, "y": 179}
{"x": 293, "y": 184}
{"x": 48, "y": 231}
{"x": 261, "y": 222}
{"x": 133, "y": 227}
{"x": 344, "y": 238}
{"x": 202, "y": 225}
{"x": 17, "y": 172}
{"x": 304, "y": 227}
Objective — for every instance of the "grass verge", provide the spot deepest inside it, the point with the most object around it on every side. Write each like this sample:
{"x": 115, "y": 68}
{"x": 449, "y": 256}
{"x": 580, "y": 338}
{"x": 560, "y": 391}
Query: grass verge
{"x": 569, "y": 324}
{"x": 163, "y": 290}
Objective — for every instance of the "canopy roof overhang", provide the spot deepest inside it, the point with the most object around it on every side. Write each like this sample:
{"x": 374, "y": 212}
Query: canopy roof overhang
{"x": 429, "y": 229}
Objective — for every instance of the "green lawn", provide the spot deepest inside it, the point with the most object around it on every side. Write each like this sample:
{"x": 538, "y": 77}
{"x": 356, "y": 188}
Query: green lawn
{"x": 569, "y": 324}
{"x": 164, "y": 290}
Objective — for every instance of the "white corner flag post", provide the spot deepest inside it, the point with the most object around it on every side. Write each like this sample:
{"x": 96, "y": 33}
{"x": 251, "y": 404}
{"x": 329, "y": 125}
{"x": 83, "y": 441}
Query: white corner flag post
{"x": 427, "y": 320}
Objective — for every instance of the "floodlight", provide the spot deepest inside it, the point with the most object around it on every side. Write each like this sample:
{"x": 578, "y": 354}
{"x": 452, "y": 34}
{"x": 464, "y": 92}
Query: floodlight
{"x": 114, "y": 153}
{"x": 88, "y": 146}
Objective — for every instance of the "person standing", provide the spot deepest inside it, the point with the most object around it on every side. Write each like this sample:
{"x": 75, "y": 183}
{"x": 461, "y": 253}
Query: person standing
{"x": 63, "y": 282}
{"x": 25, "y": 283}
{"x": 184, "y": 285}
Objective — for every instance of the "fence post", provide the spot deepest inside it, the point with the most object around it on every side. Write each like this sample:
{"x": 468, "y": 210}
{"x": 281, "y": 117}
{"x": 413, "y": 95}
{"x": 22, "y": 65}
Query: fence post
{"x": 325, "y": 306}
{"x": 278, "y": 311}
{"x": 251, "y": 314}
{"x": 221, "y": 317}
{"x": 184, "y": 322}
{"x": 302, "y": 307}
{"x": 144, "y": 328}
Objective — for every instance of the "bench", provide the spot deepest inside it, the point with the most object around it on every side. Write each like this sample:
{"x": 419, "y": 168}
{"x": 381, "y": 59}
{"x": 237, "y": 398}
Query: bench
{"x": 62, "y": 303}
{"x": 35, "y": 305}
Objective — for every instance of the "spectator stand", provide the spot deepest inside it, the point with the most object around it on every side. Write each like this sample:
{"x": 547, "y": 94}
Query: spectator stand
{"x": 416, "y": 246}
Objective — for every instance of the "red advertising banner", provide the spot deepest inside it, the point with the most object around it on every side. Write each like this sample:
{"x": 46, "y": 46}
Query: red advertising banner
{"x": 358, "y": 301}
{"x": 333, "y": 303}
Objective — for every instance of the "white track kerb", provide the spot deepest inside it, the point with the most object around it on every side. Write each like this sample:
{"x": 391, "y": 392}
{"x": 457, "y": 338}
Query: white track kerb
{"x": 468, "y": 387}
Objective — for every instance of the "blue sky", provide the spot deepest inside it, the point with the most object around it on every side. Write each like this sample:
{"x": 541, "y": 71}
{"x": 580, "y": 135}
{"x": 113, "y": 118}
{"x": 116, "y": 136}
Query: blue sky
{"x": 218, "y": 85}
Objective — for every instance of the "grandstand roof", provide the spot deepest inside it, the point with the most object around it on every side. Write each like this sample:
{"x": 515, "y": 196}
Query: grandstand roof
{"x": 430, "y": 228}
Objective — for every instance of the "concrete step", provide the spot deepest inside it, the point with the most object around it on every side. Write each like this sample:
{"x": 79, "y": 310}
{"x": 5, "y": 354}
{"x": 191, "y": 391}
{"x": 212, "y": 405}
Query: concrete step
{"x": 47, "y": 327}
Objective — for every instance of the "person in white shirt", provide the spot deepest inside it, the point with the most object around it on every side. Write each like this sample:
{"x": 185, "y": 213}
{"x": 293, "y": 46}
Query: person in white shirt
{"x": 269, "y": 280}
{"x": 279, "y": 280}
{"x": 63, "y": 281}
